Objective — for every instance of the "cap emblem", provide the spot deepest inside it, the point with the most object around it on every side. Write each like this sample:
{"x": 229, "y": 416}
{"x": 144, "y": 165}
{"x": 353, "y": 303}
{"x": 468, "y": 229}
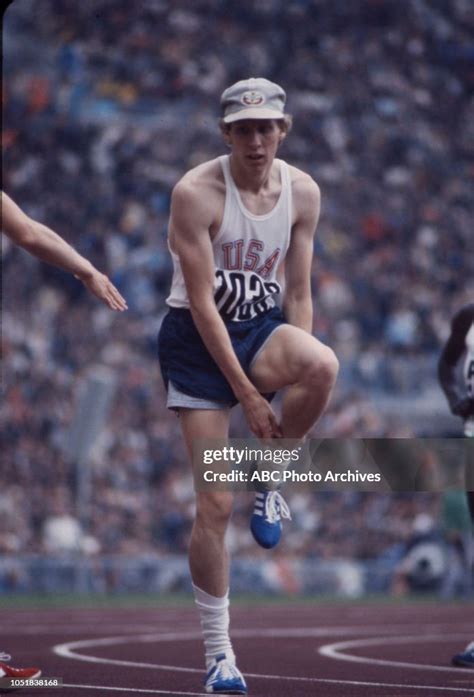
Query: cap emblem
{"x": 253, "y": 98}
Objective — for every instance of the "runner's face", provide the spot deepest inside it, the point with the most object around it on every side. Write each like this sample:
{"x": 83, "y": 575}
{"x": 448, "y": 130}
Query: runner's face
{"x": 254, "y": 142}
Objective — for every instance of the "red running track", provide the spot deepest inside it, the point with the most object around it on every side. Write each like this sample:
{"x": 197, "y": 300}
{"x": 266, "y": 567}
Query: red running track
{"x": 294, "y": 650}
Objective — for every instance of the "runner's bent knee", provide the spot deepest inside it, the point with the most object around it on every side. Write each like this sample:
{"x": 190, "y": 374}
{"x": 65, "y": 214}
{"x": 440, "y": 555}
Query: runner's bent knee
{"x": 323, "y": 369}
{"x": 317, "y": 367}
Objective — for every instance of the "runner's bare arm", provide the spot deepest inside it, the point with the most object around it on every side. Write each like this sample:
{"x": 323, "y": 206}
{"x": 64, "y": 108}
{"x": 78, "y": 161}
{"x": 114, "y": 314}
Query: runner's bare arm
{"x": 190, "y": 222}
{"x": 45, "y": 244}
{"x": 297, "y": 302}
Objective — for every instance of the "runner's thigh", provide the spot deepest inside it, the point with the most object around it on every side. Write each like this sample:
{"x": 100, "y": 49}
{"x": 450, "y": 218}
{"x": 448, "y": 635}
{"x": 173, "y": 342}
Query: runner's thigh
{"x": 289, "y": 355}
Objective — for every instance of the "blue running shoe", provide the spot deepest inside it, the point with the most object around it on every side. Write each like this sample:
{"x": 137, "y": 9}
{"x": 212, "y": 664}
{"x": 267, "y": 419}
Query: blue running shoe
{"x": 224, "y": 678}
{"x": 466, "y": 658}
{"x": 265, "y": 524}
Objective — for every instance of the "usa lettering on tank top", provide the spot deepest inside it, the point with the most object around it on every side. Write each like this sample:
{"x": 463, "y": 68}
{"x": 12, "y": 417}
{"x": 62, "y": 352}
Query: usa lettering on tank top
{"x": 248, "y": 252}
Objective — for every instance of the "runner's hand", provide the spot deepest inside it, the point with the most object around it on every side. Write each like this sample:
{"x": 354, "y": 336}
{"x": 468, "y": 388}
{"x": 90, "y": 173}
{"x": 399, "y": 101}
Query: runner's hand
{"x": 260, "y": 416}
{"x": 100, "y": 286}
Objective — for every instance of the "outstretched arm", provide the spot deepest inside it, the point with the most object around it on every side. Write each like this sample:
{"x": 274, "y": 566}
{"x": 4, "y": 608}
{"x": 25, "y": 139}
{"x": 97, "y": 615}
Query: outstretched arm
{"x": 47, "y": 245}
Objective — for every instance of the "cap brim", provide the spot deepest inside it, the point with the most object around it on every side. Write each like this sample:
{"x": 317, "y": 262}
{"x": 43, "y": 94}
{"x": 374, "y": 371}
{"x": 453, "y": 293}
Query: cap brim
{"x": 253, "y": 113}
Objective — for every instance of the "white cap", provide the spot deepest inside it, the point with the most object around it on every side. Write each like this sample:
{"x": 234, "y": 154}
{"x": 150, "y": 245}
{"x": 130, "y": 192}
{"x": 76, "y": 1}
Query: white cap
{"x": 256, "y": 98}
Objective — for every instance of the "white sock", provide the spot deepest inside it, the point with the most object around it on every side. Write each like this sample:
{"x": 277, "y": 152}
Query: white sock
{"x": 214, "y": 614}
{"x": 264, "y": 467}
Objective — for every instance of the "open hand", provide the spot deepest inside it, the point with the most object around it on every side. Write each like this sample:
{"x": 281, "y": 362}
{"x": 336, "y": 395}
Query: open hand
{"x": 100, "y": 286}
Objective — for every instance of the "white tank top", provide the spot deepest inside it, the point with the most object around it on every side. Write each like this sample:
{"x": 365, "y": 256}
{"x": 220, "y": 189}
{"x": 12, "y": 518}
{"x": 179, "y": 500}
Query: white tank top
{"x": 248, "y": 252}
{"x": 469, "y": 362}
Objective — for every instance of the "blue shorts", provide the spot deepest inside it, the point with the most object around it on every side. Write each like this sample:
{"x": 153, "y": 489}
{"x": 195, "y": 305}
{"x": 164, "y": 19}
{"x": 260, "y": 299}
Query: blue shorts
{"x": 186, "y": 362}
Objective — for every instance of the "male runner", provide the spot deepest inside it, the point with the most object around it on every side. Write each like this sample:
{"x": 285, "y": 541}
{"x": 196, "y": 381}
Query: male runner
{"x": 241, "y": 231}
{"x": 42, "y": 242}
{"x": 461, "y": 401}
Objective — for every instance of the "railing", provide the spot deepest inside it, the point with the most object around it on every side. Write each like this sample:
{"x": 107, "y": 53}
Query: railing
{"x": 153, "y": 574}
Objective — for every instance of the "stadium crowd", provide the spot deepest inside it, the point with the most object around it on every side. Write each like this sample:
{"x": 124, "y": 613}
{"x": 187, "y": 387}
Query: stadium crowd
{"x": 106, "y": 104}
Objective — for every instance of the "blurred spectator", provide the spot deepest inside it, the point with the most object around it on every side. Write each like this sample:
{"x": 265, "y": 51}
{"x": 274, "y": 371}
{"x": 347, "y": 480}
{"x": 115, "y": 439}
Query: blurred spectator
{"x": 425, "y": 562}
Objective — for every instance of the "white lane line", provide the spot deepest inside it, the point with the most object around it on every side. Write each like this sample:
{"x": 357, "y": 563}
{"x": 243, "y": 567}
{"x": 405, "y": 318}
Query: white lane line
{"x": 191, "y": 632}
{"x": 68, "y": 650}
{"x": 335, "y": 651}
{"x": 358, "y": 683}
